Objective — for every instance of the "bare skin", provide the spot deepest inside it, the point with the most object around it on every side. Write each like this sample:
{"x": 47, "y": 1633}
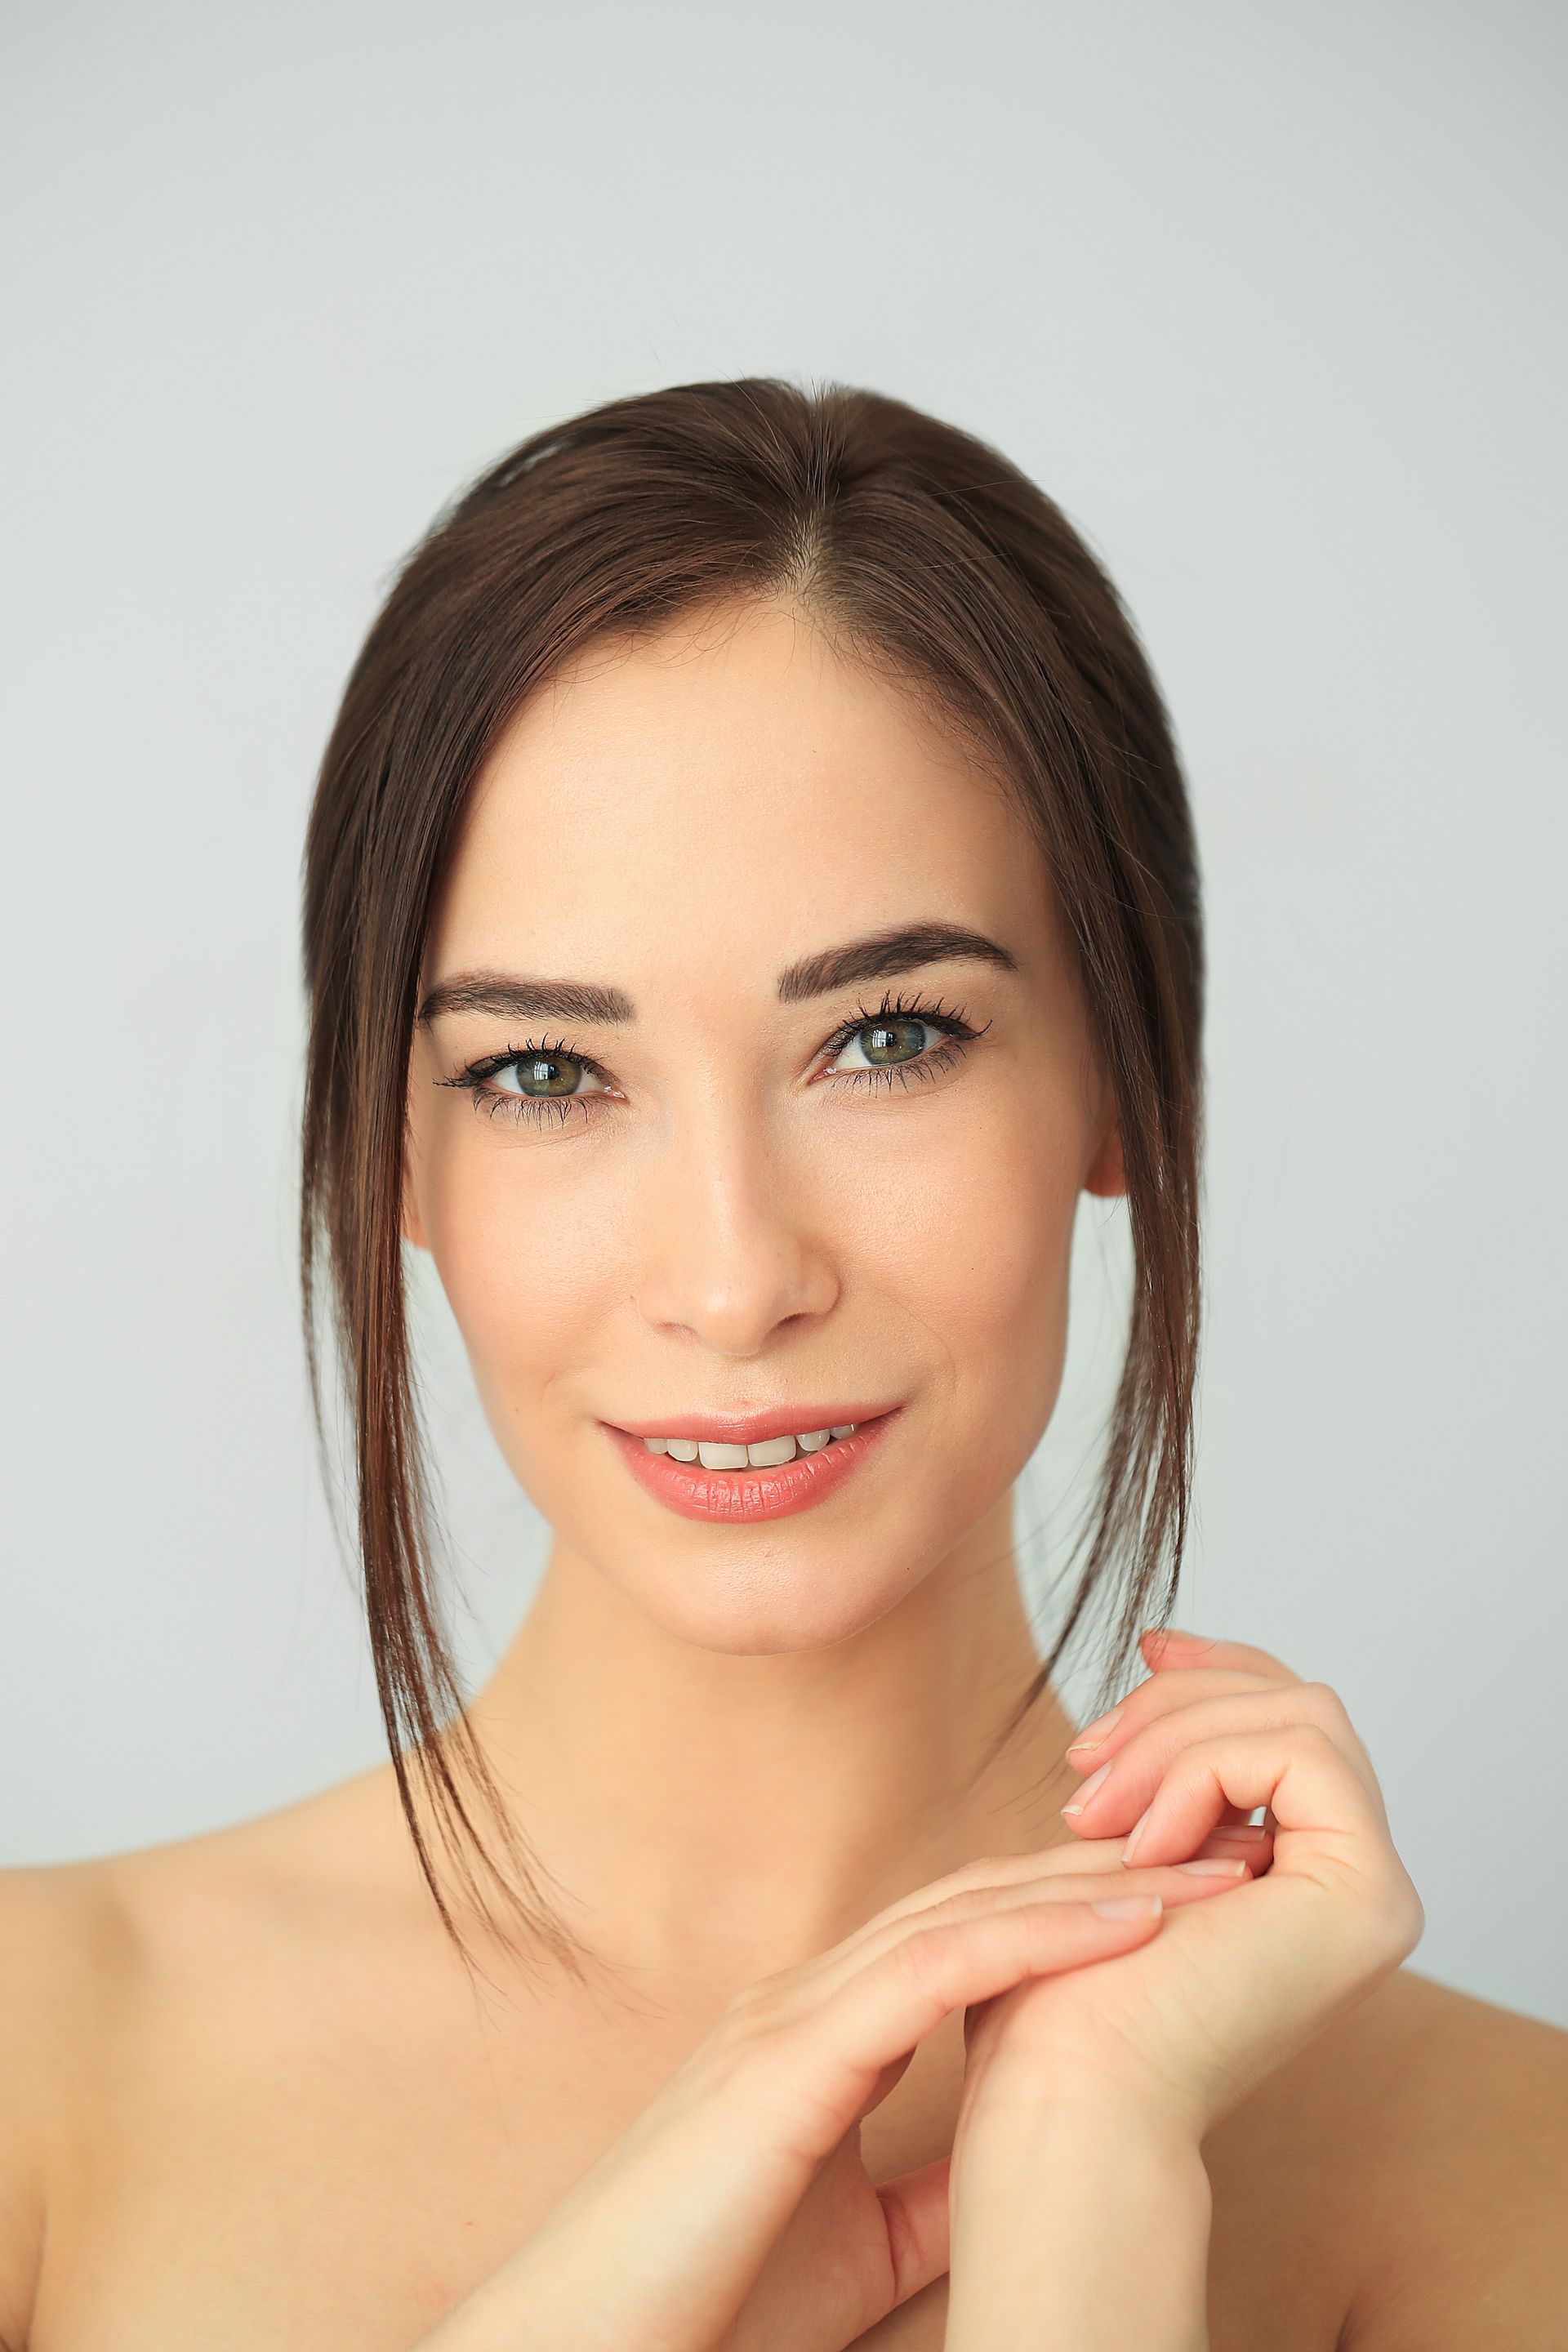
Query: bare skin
{"x": 252, "y": 2090}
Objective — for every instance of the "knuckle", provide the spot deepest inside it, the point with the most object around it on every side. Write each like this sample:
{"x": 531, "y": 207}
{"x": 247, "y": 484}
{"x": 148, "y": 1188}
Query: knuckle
{"x": 1404, "y": 1915}
{"x": 1311, "y": 1738}
{"x": 1327, "y": 1706}
{"x": 925, "y": 1961}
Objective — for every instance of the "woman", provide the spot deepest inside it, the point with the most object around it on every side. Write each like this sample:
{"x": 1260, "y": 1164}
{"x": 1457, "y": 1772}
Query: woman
{"x": 750, "y": 895}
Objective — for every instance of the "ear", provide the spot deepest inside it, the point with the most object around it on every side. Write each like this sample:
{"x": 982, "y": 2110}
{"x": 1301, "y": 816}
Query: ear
{"x": 1107, "y": 1173}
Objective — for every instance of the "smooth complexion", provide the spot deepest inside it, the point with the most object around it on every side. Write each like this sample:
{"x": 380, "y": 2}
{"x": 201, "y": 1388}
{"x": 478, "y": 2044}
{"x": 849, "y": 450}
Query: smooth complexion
{"x": 734, "y": 1742}
{"x": 251, "y": 2095}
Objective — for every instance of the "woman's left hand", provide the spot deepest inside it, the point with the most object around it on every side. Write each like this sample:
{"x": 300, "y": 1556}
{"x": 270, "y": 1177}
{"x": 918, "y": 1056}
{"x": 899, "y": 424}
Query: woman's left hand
{"x": 1182, "y": 2028}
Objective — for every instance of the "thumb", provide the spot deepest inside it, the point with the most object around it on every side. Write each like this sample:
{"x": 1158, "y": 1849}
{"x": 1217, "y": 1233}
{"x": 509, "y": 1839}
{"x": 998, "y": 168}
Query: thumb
{"x": 916, "y": 2206}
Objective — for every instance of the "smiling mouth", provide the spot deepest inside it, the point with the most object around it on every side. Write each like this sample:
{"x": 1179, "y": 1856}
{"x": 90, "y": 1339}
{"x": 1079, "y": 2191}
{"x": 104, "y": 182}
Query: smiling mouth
{"x": 761, "y": 1454}
{"x": 751, "y": 1471}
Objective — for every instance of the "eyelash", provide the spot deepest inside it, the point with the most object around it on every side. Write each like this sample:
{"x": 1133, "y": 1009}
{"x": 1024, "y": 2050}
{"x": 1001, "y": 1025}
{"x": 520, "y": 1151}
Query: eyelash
{"x": 538, "y": 1109}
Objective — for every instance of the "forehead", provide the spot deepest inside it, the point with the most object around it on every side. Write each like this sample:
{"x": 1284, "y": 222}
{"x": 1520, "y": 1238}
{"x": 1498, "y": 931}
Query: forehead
{"x": 731, "y": 788}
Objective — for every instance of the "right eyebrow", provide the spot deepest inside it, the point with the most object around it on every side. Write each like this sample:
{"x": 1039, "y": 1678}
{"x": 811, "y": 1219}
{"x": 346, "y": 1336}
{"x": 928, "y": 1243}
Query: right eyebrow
{"x": 513, "y": 997}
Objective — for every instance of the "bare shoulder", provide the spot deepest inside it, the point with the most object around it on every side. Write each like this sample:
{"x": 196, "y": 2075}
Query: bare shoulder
{"x": 99, "y": 1960}
{"x": 1473, "y": 2248}
{"x": 65, "y": 1944}
{"x": 1413, "y": 2163}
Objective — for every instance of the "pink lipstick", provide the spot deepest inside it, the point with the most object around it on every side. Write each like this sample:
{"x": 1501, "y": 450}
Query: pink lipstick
{"x": 744, "y": 1496}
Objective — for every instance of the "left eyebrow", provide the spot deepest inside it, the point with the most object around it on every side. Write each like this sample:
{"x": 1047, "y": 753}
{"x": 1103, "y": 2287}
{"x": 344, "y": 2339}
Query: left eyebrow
{"x": 883, "y": 955}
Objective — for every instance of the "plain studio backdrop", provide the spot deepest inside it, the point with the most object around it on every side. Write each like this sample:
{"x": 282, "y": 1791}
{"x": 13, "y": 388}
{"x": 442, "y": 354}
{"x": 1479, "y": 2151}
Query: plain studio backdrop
{"x": 1269, "y": 299}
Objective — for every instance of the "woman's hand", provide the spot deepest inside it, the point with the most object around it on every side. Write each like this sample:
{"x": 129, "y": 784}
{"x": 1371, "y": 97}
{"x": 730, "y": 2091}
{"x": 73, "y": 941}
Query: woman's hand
{"x": 1224, "y": 1996}
{"x": 1081, "y": 2204}
{"x": 736, "y": 2212}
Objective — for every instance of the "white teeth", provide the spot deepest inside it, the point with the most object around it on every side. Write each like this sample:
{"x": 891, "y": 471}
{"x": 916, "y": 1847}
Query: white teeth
{"x": 720, "y": 1458}
{"x": 769, "y": 1452}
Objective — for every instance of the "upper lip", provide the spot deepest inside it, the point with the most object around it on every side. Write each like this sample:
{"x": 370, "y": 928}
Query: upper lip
{"x": 752, "y": 1428}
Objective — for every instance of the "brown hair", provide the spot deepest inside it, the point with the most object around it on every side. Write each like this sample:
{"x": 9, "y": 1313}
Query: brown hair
{"x": 922, "y": 549}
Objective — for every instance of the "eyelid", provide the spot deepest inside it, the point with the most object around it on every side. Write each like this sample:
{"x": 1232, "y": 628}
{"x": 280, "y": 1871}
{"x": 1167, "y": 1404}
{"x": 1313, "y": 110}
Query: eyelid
{"x": 949, "y": 1023}
{"x": 485, "y": 1065}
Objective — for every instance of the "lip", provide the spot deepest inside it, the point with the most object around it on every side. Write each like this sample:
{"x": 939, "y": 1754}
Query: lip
{"x": 746, "y": 1497}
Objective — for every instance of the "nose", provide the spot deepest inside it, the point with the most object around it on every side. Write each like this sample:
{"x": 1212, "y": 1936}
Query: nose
{"x": 735, "y": 1244}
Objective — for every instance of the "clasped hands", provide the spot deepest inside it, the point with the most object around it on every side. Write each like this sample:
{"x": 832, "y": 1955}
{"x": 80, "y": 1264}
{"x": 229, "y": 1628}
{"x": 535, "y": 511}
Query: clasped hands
{"x": 1121, "y": 1991}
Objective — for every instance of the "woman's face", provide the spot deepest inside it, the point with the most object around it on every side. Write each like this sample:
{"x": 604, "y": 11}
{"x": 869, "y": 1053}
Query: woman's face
{"x": 716, "y": 1178}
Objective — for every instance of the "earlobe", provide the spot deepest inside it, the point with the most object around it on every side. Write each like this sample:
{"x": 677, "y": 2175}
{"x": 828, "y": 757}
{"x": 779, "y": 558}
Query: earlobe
{"x": 1107, "y": 1173}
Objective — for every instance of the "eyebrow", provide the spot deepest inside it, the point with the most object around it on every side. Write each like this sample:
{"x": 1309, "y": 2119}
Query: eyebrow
{"x": 881, "y": 955}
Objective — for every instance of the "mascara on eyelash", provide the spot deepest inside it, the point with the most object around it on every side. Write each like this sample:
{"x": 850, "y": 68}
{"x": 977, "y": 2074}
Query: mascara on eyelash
{"x": 893, "y": 1008}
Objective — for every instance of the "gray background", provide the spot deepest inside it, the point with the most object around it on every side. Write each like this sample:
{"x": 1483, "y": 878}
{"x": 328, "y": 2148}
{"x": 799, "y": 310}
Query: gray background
{"x": 1268, "y": 298}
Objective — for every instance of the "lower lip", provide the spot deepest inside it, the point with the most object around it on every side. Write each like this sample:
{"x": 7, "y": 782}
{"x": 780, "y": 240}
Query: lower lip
{"x": 745, "y": 1496}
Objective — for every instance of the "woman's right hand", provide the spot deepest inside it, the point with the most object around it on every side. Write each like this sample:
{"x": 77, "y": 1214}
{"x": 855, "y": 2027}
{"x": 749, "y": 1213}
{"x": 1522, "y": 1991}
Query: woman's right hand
{"x": 736, "y": 2212}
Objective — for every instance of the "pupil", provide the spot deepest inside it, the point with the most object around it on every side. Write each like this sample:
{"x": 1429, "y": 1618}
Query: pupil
{"x": 883, "y": 1031}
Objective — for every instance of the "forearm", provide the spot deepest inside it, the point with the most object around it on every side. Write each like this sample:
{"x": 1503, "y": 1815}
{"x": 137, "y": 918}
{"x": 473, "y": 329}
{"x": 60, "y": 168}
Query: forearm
{"x": 1082, "y": 2229}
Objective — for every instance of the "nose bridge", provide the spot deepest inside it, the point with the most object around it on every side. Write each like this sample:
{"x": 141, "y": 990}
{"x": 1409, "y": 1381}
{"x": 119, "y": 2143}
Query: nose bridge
{"x": 728, "y": 1247}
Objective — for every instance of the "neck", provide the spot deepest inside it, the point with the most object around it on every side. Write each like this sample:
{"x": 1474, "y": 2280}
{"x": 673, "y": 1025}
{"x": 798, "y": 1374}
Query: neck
{"x": 721, "y": 1816}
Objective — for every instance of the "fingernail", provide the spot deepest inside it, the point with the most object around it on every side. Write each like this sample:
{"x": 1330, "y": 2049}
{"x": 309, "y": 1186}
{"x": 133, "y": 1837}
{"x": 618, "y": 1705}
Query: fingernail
{"x": 1087, "y": 1791}
{"x": 1130, "y": 1906}
{"x": 1215, "y": 1868}
{"x": 1251, "y": 1830}
{"x": 1094, "y": 1734}
{"x": 1135, "y": 1832}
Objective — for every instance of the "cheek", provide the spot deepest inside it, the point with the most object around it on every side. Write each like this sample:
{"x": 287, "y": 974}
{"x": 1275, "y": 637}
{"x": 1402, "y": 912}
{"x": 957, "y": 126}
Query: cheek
{"x": 526, "y": 1266}
{"x": 973, "y": 1234}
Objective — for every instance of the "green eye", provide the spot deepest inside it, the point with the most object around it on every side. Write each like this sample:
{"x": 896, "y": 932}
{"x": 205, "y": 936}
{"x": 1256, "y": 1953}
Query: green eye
{"x": 887, "y": 1043}
{"x": 540, "y": 1075}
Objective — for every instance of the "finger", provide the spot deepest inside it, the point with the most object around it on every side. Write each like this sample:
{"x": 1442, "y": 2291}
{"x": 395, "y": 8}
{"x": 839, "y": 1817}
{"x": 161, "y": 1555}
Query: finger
{"x": 850, "y": 2299}
{"x": 1169, "y": 1645}
{"x": 1067, "y": 1854}
{"x": 1077, "y": 1875}
{"x": 1112, "y": 1796}
{"x": 1248, "y": 1841}
{"x": 1174, "y": 1883}
{"x": 1322, "y": 1807}
{"x": 916, "y": 2206}
{"x": 1161, "y": 1695}
{"x": 825, "y": 2057}
{"x": 994, "y": 1870}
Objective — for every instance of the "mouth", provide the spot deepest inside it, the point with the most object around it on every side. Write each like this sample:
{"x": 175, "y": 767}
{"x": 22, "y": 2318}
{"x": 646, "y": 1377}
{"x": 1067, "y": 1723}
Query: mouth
{"x": 742, "y": 1468}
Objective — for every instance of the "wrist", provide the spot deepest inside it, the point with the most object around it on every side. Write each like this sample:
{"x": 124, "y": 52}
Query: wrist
{"x": 1095, "y": 2108}
{"x": 1082, "y": 2221}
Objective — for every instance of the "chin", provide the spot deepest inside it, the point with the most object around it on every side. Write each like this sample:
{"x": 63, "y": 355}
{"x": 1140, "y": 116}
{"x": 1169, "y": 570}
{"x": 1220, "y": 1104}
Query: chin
{"x": 769, "y": 1608}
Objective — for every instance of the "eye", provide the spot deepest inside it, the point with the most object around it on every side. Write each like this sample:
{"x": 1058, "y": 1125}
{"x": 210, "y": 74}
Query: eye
{"x": 899, "y": 1044}
{"x": 541, "y": 1075}
{"x": 885, "y": 1044}
{"x": 530, "y": 1082}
